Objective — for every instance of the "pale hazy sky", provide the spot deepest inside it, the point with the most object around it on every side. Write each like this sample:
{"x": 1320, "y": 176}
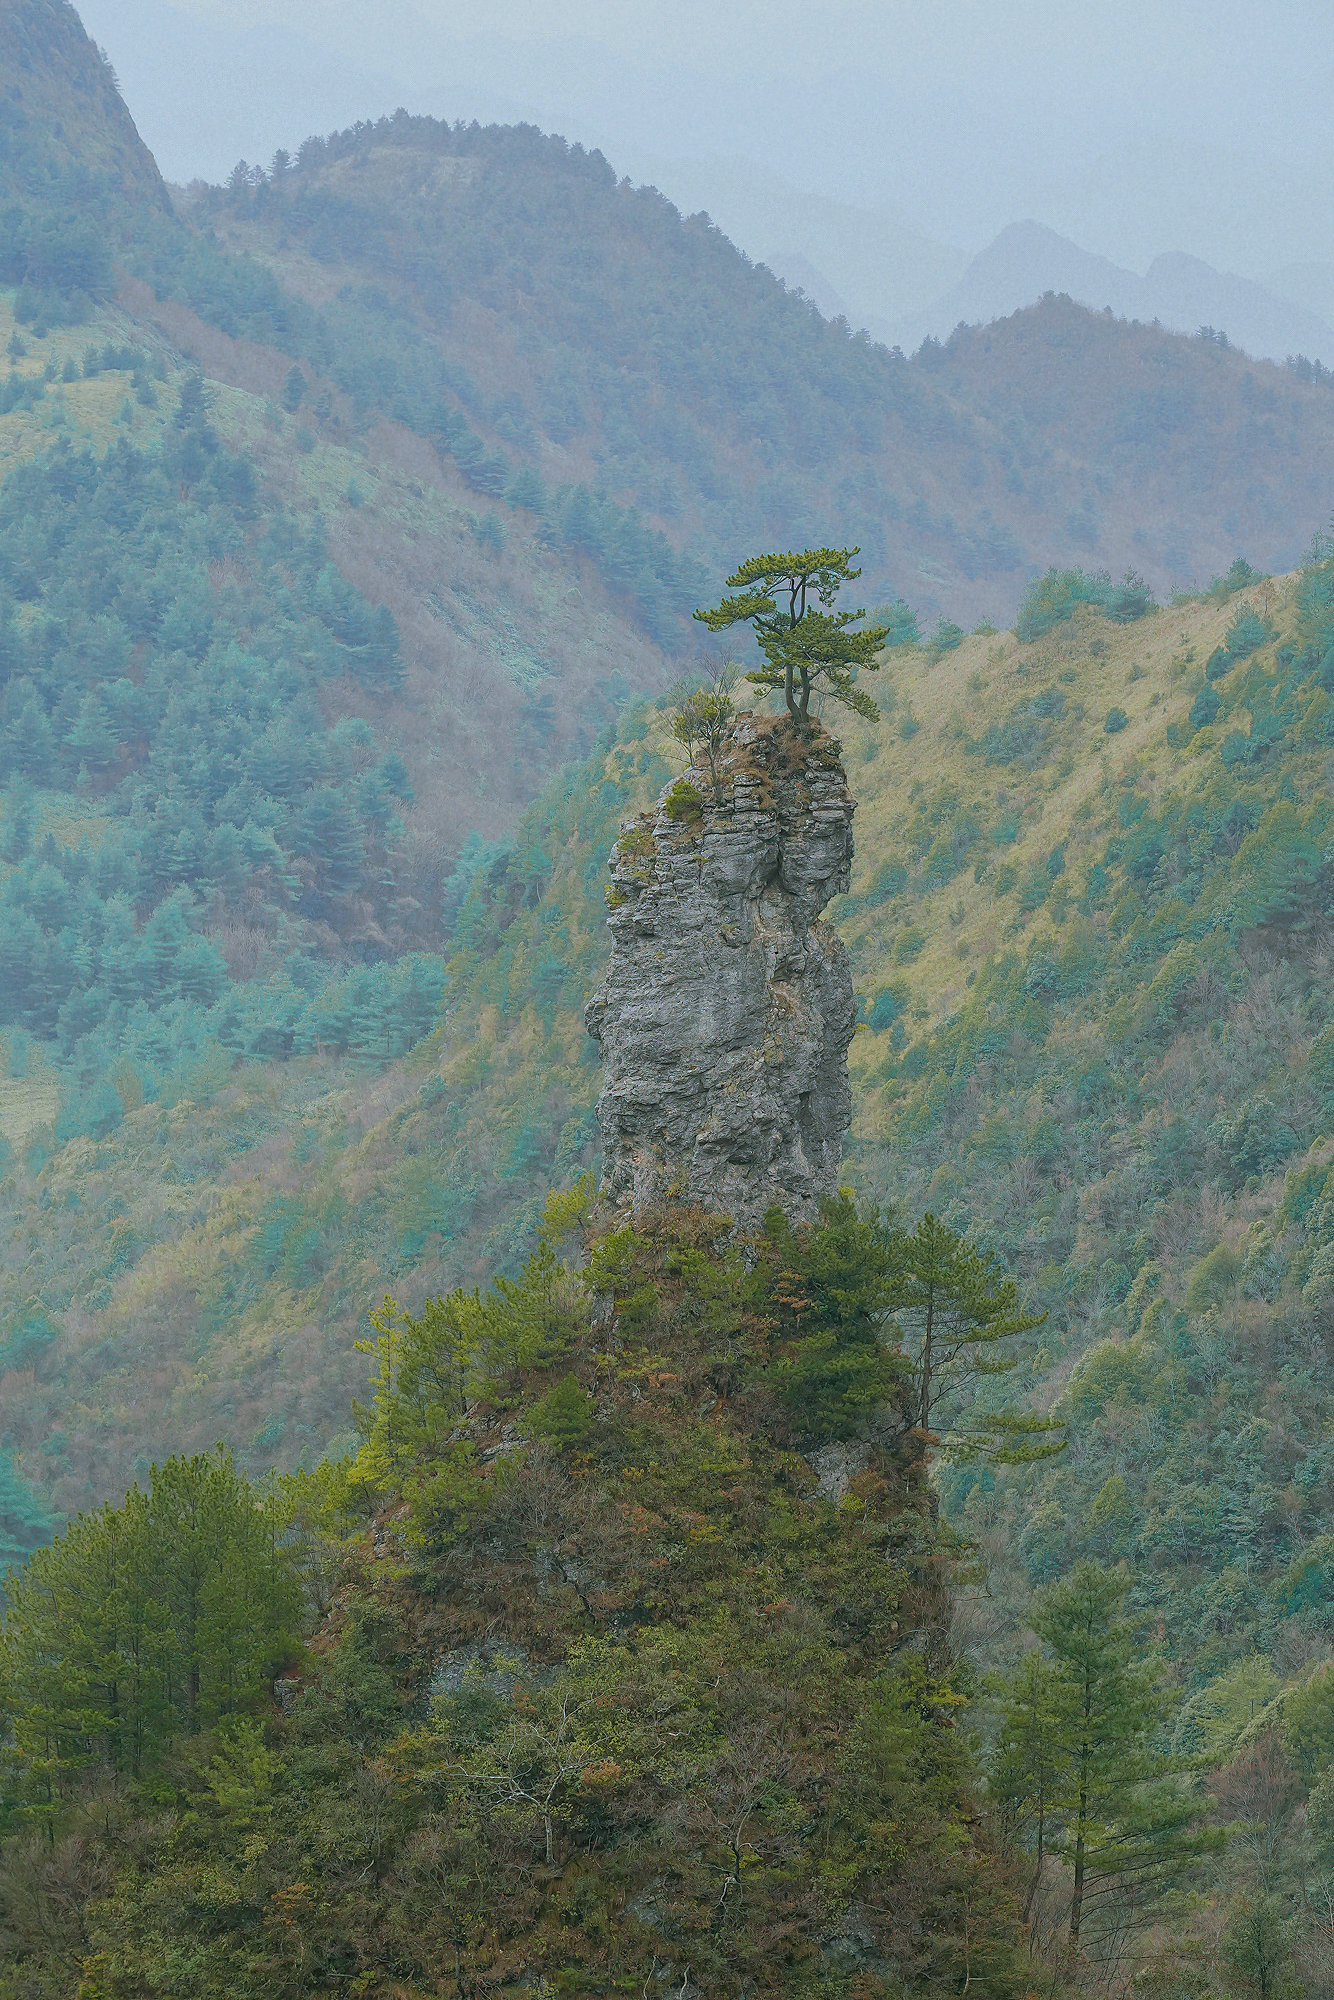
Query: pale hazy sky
{"x": 1138, "y": 127}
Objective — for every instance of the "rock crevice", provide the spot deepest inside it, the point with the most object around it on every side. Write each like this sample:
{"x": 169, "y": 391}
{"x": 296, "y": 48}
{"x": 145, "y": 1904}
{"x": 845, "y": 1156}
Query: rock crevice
{"x": 726, "y": 1012}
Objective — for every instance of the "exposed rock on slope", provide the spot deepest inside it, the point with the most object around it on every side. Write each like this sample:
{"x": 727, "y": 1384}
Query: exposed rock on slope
{"x": 727, "y": 1009}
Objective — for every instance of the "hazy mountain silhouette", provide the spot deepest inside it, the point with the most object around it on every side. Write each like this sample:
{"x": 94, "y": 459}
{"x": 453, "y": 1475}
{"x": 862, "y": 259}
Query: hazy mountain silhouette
{"x": 1183, "y": 293}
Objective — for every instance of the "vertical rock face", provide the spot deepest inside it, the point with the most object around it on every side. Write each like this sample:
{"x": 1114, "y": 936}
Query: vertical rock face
{"x": 727, "y": 1009}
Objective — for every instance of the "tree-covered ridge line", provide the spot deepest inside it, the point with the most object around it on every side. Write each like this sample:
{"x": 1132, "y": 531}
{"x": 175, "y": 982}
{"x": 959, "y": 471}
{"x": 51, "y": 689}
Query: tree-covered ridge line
{"x": 695, "y": 390}
{"x": 68, "y": 146}
{"x": 360, "y": 345}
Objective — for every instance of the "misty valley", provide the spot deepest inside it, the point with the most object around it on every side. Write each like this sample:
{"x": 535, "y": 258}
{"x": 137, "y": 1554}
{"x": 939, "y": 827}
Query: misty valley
{"x": 668, "y": 1211}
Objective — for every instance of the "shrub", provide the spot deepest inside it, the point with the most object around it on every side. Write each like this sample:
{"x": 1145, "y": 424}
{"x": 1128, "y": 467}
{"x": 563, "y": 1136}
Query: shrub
{"x": 1205, "y": 708}
{"x": 901, "y": 621}
{"x": 684, "y": 803}
{"x": 1245, "y": 635}
{"x": 564, "y": 1414}
{"x": 1051, "y": 598}
{"x": 1128, "y": 600}
{"x": 888, "y": 1006}
{"x": 1117, "y": 720}
{"x": 1239, "y": 577}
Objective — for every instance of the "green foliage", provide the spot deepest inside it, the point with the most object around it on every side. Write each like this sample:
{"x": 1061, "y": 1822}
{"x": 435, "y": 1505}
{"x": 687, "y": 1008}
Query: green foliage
{"x": 1308, "y": 1723}
{"x": 1050, "y": 599}
{"x": 703, "y": 1706}
{"x": 804, "y": 647}
{"x": 834, "y": 1294}
{"x": 1245, "y": 635}
{"x": 955, "y": 1309}
{"x": 193, "y": 713}
{"x": 1256, "y": 1946}
{"x": 563, "y": 1414}
{"x": 1320, "y": 1065}
{"x": 1205, "y": 708}
{"x": 140, "y": 1624}
{"x": 24, "y": 1522}
{"x": 1240, "y": 576}
{"x": 899, "y": 623}
{"x": 684, "y": 802}
{"x": 1117, "y": 720}
{"x": 1118, "y": 1814}
{"x": 704, "y": 716}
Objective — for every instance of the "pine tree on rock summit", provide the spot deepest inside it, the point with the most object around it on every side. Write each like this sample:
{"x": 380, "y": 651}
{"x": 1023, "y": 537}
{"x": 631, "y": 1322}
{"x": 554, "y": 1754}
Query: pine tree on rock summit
{"x": 788, "y": 601}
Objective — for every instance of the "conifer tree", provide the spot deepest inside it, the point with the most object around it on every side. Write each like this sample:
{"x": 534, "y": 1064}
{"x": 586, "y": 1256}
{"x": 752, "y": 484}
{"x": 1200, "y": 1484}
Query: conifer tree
{"x": 956, "y": 1309}
{"x": 1029, "y": 1764}
{"x": 788, "y": 602}
{"x": 1125, "y": 1816}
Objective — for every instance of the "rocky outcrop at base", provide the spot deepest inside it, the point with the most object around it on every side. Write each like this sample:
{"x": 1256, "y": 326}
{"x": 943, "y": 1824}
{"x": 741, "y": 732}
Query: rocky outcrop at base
{"x": 726, "y": 1012}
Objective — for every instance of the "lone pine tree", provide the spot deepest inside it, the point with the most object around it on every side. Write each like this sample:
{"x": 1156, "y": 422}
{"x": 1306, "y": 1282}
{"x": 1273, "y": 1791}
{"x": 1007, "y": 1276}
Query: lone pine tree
{"x": 787, "y": 600}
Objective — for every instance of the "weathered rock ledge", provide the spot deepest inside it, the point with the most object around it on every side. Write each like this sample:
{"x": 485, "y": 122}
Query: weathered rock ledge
{"x": 726, "y": 1012}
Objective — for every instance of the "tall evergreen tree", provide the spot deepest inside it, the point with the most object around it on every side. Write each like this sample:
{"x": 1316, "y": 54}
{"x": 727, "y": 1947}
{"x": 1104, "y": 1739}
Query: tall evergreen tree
{"x": 956, "y": 1309}
{"x": 1125, "y": 1815}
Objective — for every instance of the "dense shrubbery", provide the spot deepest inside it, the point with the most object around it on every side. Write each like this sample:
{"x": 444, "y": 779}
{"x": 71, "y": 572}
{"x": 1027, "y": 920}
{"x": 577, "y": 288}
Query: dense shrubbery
{"x": 1052, "y": 598}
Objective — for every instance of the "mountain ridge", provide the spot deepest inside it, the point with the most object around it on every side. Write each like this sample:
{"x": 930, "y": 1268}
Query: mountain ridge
{"x": 1027, "y": 259}
{"x": 49, "y": 59}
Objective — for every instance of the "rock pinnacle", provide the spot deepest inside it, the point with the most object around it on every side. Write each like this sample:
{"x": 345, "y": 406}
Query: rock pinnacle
{"x": 726, "y": 1012}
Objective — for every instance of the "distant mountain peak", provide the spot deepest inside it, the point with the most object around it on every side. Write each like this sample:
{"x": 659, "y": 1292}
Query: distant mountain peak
{"x": 1028, "y": 259}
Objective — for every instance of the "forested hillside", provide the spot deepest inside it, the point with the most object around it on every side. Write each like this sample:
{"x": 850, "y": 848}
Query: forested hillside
{"x": 351, "y": 517}
{"x": 591, "y": 1675}
{"x": 573, "y": 343}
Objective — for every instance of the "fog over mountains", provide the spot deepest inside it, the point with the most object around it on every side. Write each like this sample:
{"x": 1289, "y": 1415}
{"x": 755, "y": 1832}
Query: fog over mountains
{"x": 1182, "y": 292}
{"x": 882, "y": 162}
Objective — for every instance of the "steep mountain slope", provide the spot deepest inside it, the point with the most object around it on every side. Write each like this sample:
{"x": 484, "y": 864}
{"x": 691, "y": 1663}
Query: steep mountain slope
{"x": 66, "y": 137}
{"x": 289, "y": 644}
{"x": 533, "y": 316}
{"x": 1090, "y": 924}
{"x": 614, "y": 1662}
{"x": 335, "y": 1182}
{"x": 1140, "y": 425}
